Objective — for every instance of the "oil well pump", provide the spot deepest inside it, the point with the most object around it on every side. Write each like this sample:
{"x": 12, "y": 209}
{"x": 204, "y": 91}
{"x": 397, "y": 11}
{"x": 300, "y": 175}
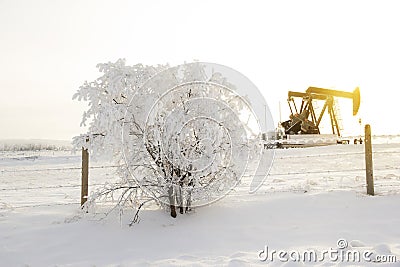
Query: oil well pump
{"x": 305, "y": 120}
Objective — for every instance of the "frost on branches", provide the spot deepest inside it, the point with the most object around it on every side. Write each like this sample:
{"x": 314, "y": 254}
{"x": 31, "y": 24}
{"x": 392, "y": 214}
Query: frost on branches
{"x": 182, "y": 136}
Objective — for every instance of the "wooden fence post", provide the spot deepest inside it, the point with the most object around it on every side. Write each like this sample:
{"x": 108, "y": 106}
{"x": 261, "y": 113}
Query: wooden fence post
{"x": 368, "y": 161}
{"x": 85, "y": 175}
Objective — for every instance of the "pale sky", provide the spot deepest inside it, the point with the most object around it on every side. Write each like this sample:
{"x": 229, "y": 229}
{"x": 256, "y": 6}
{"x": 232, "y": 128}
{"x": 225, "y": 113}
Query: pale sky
{"x": 49, "y": 48}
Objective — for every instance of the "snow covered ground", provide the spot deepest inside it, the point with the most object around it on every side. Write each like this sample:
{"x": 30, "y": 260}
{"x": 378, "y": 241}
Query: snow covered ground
{"x": 313, "y": 198}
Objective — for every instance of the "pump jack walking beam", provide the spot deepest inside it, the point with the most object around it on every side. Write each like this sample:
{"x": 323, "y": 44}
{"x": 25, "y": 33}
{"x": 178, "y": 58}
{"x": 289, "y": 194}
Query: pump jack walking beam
{"x": 355, "y": 95}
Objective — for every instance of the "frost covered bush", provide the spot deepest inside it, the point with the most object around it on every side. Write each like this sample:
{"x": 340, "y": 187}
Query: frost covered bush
{"x": 182, "y": 136}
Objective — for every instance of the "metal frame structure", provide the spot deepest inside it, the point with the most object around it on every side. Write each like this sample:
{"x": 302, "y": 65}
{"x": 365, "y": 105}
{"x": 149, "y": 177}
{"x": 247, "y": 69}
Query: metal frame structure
{"x": 305, "y": 120}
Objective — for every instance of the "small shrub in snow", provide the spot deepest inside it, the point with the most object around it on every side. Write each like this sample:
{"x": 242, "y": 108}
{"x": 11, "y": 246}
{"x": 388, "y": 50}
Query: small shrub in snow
{"x": 182, "y": 136}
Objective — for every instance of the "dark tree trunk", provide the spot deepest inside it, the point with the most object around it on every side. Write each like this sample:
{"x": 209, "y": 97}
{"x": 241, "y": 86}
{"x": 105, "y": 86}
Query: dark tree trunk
{"x": 172, "y": 201}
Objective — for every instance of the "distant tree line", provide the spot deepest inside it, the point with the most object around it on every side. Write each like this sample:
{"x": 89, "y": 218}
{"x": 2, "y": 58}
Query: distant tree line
{"x": 32, "y": 147}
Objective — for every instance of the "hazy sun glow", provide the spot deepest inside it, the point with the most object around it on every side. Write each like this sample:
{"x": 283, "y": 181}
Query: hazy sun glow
{"x": 49, "y": 48}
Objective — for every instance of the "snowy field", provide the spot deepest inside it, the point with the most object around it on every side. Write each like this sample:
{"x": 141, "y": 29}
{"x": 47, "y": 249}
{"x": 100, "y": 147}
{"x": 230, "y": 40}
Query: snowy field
{"x": 312, "y": 198}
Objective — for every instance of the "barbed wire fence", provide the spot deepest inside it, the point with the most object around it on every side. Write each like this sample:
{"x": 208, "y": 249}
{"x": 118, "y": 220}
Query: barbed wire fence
{"x": 291, "y": 172}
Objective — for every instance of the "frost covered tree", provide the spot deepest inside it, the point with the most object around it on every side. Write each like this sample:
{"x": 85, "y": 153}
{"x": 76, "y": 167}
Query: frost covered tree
{"x": 182, "y": 136}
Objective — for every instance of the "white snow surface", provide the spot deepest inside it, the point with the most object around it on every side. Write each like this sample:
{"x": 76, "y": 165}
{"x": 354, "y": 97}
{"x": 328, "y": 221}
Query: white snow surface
{"x": 312, "y": 198}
